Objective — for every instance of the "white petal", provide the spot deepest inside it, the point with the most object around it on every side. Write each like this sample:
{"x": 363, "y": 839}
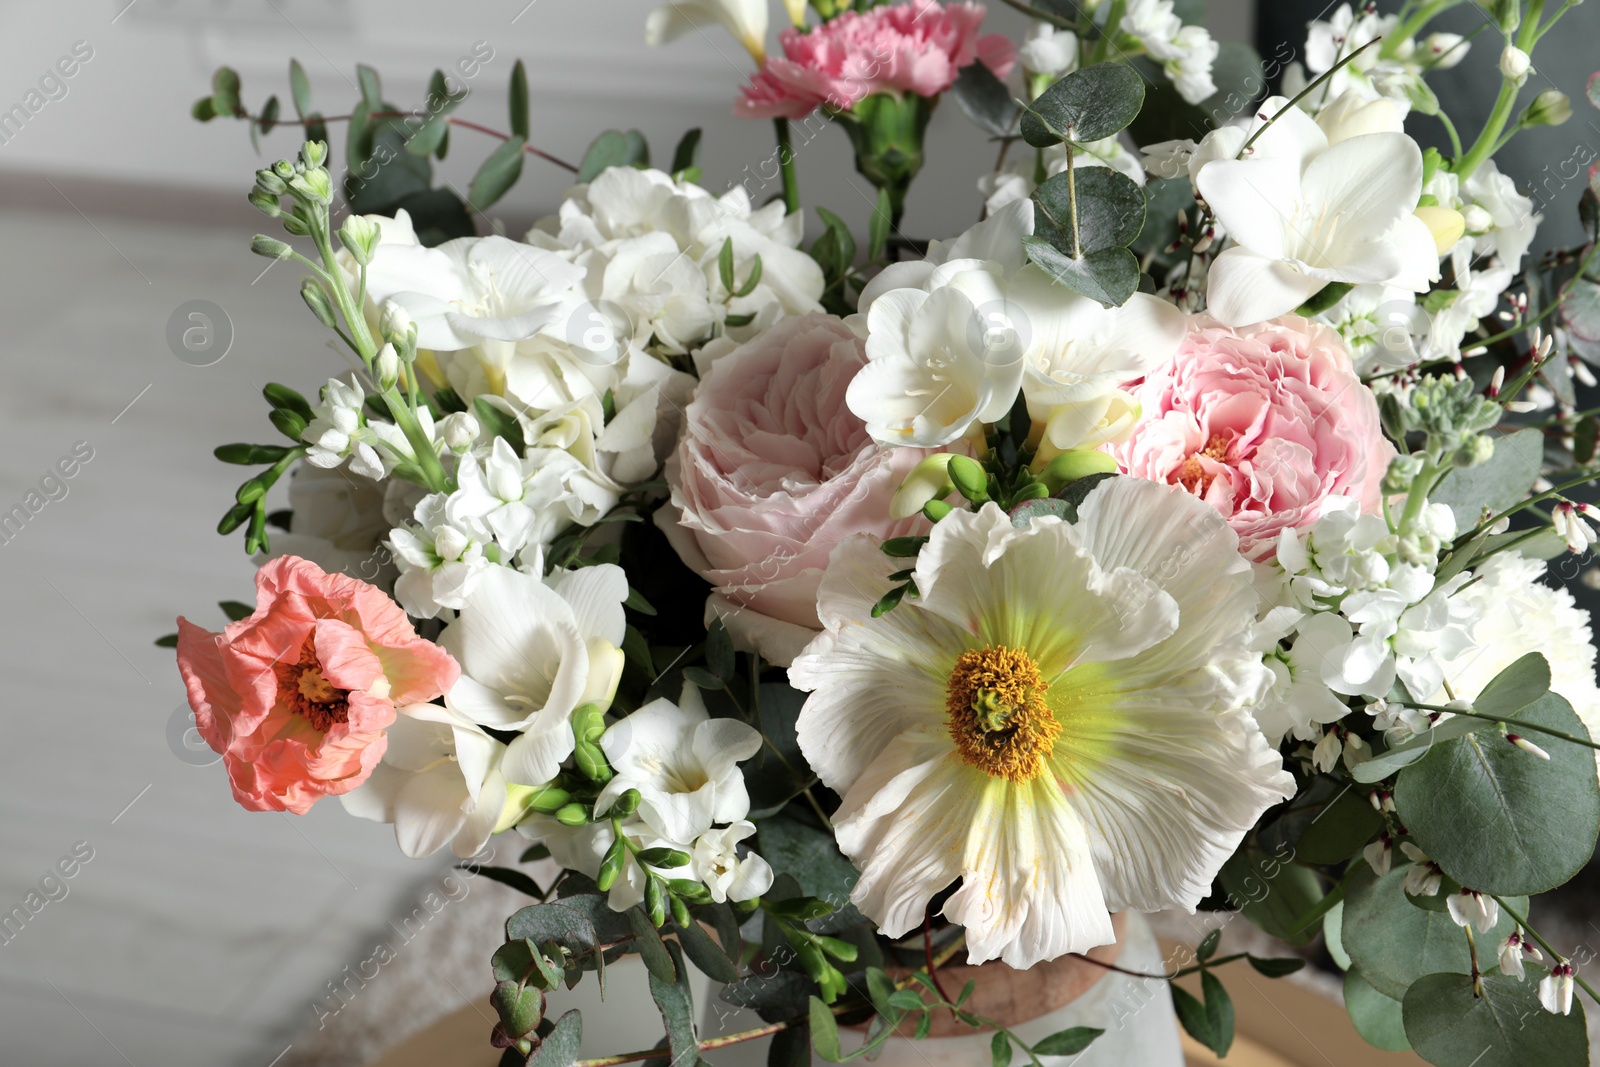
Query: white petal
{"x": 1255, "y": 200}
{"x": 1244, "y": 288}
{"x": 596, "y": 595}
{"x": 429, "y": 810}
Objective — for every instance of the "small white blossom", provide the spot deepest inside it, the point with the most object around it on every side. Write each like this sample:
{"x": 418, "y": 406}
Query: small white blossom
{"x": 1471, "y": 908}
{"x": 1423, "y": 877}
{"x": 727, "y": 875}
{"x": 1555, "y": 989}
{"x": 1512, "y": 951}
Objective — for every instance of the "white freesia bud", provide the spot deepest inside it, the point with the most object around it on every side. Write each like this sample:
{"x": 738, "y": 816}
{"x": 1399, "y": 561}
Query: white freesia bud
{"x": 1444, "y": 50}
{"x": 1446, "y": 224}
{"x": 459, "y": 431}
{"x": 395, "y": 323}
{"x": 1477, "y": 219}
{"x": 1515, "y": 65}
{"x": 605, "y": 673}
{"x": 928, "y": 480}
{"x": 387, "y": 367}
{"x": 360, "y": 235}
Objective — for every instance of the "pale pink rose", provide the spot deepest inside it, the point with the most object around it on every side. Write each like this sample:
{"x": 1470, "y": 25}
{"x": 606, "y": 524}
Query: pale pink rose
{"x": 773, "y": 471}
{"x": 917, "y": 47}
{"x": 1264, "y": 423}
{"x": 297, "y": 696}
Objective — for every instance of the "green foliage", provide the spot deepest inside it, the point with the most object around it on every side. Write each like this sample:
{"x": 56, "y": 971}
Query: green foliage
{"x": 499, "y": 422}
{"x": 1502, "y": 482}
{"x": 559, "y": 1048}
{"x": 1499, "y": 819}
{"x": 1339, "y": 830}
{"x": 1111, "y": 208}
{"x": 1452, "y": 1026}
{"x": 1272, "y": 892}
{"x": 1375, "y": 1016}
{"x": 986, "y": 100}
{"x": 1087, "y": 105}
{"x": 675, "y": 1000}
{"x": 498, "y": 173}
{"x": 613, "y": 149}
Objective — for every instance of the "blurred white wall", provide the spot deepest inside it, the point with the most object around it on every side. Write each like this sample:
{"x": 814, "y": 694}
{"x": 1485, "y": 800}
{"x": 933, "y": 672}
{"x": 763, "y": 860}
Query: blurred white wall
{"x": 123, "y": 114}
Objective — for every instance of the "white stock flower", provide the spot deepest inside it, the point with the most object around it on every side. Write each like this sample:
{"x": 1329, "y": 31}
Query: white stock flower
{"x": 1048, "y": 50}
{"x": 335, "y": 425}
{"x": 746, "y": 20}
{"x": 1186, "y": 53}
{"x": 684, "y": 764}
{"x": 951, "y": 340}
{"x": 439, "y": 560}
{"x": 531, "y": 654}
{"x": 1060, "y": 720}
{"x": 1307, "y": 213}
{"x": 1300, "y": 700}
{"x": 439, "y": 783}
{"x": 338, "y": 524}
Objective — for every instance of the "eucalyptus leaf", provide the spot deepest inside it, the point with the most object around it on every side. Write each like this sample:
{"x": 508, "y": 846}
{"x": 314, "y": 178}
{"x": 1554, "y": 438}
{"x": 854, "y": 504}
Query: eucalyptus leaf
{"x": 1514, "y": 688}
{"x": 986, "y": 100}
{"x": 1375, "y": 1016}
{"x": 711, "y": 960}
{"x": 776, "y": 997}
{"x": 1496, "y": 484}
{"x": 651, "y": 948}
{"x": 676, "y": 1002}
{"x": 1086, "y": 105}
{"x": 1111, "y": 207}
{"x": 1047, "y": 507}
{"x": 498, "y": 174}
{"x": 560, "y": 1046}
{"x": 1406, "y": 753}
{"x": 1501, "y": 820}
{"x": 1448, "y": 1025}
{"x": 779, "y": 772}
{"x": 1339, "y": 830}
{"x": 299, "y": 89}
{"x": 813, "y": 857}
{"x": 610, "y": 149}
{"x": 565, "y": 926}
{"x": 1067, "y": 1042}
{"x": 1393, "y": 943}
{"x": 1110, "y": 276}
{"x": 686, "y": 156}
{"x": 519, "y": 100}
{"x": 1273, "y": 893}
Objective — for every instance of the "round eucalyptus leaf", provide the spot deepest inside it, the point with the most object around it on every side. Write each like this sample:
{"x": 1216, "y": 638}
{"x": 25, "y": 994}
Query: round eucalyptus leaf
{"x": 1111, "y": 207}
{"x": 1109, "y": 276}
{"x": 1087, "y": 105}
{"x": 1393, "y": 943}
{"x": 1377, "y": 1018}
{"x": 1501, "y": 820}
{"x": 1505, "y": 1027}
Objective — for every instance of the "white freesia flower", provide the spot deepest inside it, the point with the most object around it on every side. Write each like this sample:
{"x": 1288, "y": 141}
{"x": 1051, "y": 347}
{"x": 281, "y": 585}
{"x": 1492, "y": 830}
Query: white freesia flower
{"x": 1338, "y": 213}
{"x": 439, "y": 783}
{"x": 531, "y": 654}
{"x": 951, "y": 340}
{"x": 472, "y": 289}
{"x": 1059, "y": 720}
{"x": 746, "y": 20}
{"x": 338, "y": 524}
{"x": 1510, "y": 216}
{"x": 684, "y": 764}
{"x": 727, "y": 875}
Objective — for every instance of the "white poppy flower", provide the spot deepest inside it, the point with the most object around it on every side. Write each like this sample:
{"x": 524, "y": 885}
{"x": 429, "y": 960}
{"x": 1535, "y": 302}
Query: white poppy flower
{"x": 472, "y": 289}
{"x": 746, "y": 20}
{"x": 684, "y": 764}
{"x": 531, "y": 654}
{"x": 439, "y": 783}
{"x": 1321, "y": 213}
{"x": 1059, "y": 721}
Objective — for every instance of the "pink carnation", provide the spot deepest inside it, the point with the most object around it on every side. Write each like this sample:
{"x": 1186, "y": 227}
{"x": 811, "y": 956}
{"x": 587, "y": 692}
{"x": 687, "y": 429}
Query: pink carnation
{"x": 774, "y": 471}
{"x": 916, "y": 47}
{"x": 297, "y": 696}
{"x": 1264, "y": 423}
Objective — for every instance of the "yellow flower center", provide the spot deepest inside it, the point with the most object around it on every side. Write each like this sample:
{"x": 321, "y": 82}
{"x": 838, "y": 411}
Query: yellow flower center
{"x": 998, "y": 717}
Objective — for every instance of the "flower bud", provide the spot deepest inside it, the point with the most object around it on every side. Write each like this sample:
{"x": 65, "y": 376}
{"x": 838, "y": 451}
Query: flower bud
{"x": 1403, "y": 471}
{"x": 1446, "y": 224}
{"x": 314, "y": 153}
{"x": 573, "y": 815}
{"x": 394, "y": 322}
{"x": 262, "y": 245}
{"x": 268, "y": 182}
{"x": 266, "y": 203}
{"x": 523, "y": 799}
{"x": 284, "y": 169}
{"x": 1477, "y": 219}
{"x": 459, "y": 431}
{"x": 797, "y": 11}
{"x": 627, "y": 803}
{"x": 605, "y": 674}
{"x": 1515, "y": 65}
{"x": 387, "y": 367}
{"x": 316, "y": 298}
{"x": 1444, "y": 50}
{"x": 360, "y": 235}
{"x": 1073, "y": 464}
{"x": 1550, "y": 108}
{"x": 928, "y": 481}
{"x": 1474, "y": 451}
{"x": 969, "y": 478}
{"x": 296, "y": 225}
{"x": 1527, "y": 746}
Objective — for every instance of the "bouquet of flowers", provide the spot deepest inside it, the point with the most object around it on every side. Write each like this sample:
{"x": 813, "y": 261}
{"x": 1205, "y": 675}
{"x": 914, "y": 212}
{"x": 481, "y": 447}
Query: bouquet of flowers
{"x": 1173, "y": 538}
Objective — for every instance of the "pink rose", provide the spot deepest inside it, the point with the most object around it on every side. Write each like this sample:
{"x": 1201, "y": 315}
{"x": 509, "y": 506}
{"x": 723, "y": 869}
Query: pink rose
{"x": 1264, "y": 423}
{"x": 917, "y": 47}
{"x": 297, "y": 696}
{"x": 773, "y": 471}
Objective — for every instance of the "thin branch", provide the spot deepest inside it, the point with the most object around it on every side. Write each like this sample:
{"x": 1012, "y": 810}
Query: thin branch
{"x": 449, "y": 120}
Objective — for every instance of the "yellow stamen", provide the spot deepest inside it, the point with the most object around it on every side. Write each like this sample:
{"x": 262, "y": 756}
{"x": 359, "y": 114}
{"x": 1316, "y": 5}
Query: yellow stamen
{"x": 998, "y": 718}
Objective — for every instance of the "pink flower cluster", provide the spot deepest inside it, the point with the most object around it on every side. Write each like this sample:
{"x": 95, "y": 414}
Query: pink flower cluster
{"x": 917, "y": 47}
{"x": 1262, "y": 422}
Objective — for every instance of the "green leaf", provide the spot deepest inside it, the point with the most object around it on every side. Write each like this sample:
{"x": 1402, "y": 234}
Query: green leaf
{"x": 1086, "y": 105}
{"x": 611, "y": 149}
{"x": 1111, "y": 209}
{"x": 281, "y": 396}
{"x": 676, "y": 1002}
{"x": 204, "y": 109}
{"x": 250, "y": 455}
{"x": 1339, "y": 830}
{"x": 776, "y": 997}
{"x": 519, "y": 101}
{"x": 725, "y": 265}
{"x": 1208, "y": 945}
{"x": 533, "y": 853}
{"x": 813, "y": 856}
{"x": 1067, "y": 1042}
{"x": 1192, "y": 1015}
{"x": 1274, "y": 894}
{"x": 499, "y": 423}
{"x": 1408, "y": 752}
{"x": 843, "y": 248}
{"x": 651, "y": 948}
{"x": 1393, "y": 943}
{"x": 1000, "y": 1045}
{"x": 686, "y": 156}
{"x": 1277, "y": 967}
{"x": 269, "y": 115}
{"x": 824, "y": 1031}
{"x": 711, "y": 960}
{"x": 1237, "y": 72}
{"x": 986, "y": 100}
{"x": 753, "y": 280}
{"x": 1375, "y": 1016}
{"x": 167, "y": 641}
{"x": 1109, "y": 276}
{"x": 236, "y": 610}
{"x": 1501, "y": 482}
{"x": 1584, "y": 439}
{"x": 560, "y": 1047}
{"x": 1506, "y": 1027}
{"x": 703, "y": 678}
{"x": 520, "y": 1007}
{"x": 1324, "y": 299}
{"x": 1501, "y": 820}
{"x": 299, "y": 88}
{"x": 513, "y": 878}
{"x": 791, "y": 1047}
{"x": 719, "y": 651}
{"x": 1514, "y": 688}
{"x": 565, "y": 926}
{"x": 497, "y": 175}
{"x": 878, "y": 227}
{"x": 371, "y": 87}
{"x": 225, "y": 90}
{"x": 1219, "y": 1012}
{"x": 779, "y": 771}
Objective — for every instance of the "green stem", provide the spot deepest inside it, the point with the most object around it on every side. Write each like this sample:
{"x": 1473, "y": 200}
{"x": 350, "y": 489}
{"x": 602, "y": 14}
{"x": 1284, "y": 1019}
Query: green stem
{"x": 1483, "y": 148}
{"x": 791, "y": 180}
{"x": 1072, "y": 201}
{"x": 1519, "y": 723}
{"x": 1323, "y": 78}
{"x": 1059, "y": 21}
{"x": 1522, "y": 921}
{"x": 1583, "y": 479}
